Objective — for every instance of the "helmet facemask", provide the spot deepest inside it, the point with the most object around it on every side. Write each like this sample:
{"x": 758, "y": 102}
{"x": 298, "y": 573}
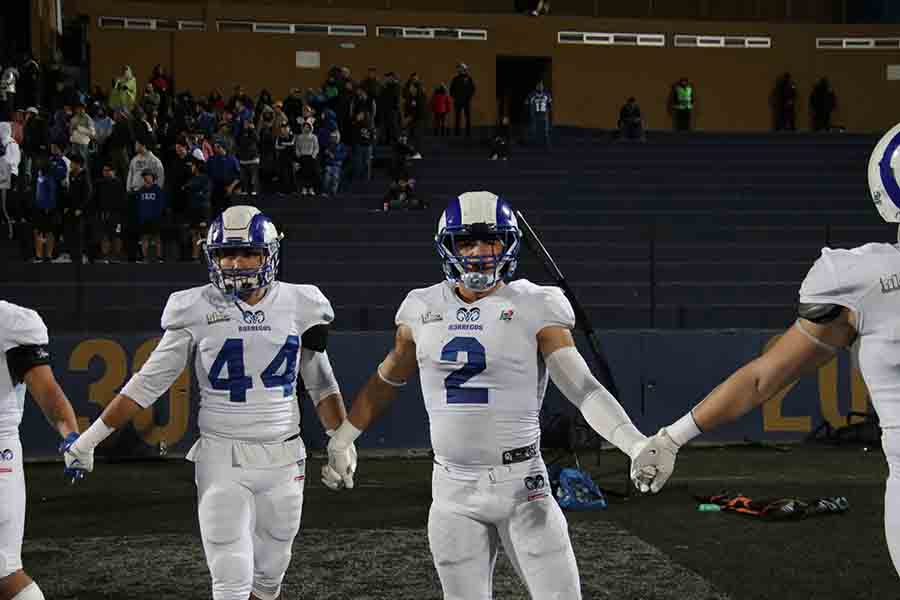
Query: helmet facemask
{"x": 240, "y": 284}
{"x": 481, "y": 272}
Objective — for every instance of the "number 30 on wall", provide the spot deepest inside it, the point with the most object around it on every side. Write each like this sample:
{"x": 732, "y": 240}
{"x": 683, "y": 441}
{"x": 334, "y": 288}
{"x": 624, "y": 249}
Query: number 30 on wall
{"x": 115, "y": 372}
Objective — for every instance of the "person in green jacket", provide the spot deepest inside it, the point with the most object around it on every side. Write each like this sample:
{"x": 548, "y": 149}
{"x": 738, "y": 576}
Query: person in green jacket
{"x": 124, "y": 91}
{"x": 682, "y": 104}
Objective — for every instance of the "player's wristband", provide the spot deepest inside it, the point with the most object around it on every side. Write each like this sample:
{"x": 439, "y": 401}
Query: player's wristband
{"x": 94, "y": 435}
{"x": 345, "y": 435}
{"x": 390, "y": 382}
{"x": 684, "y": 429}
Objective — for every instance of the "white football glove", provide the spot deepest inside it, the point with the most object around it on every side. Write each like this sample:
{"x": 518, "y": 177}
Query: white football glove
{"x": 653, "y": 461}
{"x": 78, "y": 460}
{"x": 339, "y": 471}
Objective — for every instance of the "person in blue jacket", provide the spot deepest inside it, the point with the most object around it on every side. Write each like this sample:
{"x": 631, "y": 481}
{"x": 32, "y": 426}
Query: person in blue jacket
{"x": 46, "y": 217}
{"x": 151, "y": 202}
{"x": 335, "y": 155}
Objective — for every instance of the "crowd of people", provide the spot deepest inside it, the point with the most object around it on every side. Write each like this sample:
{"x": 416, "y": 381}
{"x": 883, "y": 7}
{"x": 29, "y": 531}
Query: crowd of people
{"x": 137, "y": 171}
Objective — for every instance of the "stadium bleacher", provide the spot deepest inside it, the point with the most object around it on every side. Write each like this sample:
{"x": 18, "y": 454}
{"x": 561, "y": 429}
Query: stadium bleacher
{"x": 703, "y": 230}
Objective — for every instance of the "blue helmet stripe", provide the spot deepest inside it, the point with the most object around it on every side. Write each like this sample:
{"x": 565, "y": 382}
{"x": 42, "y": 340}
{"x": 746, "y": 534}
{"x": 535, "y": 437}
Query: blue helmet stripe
{"x": 453, "y": 214}
{"x": 504, "y": 212}
{"x": 258, "y": 229}
{"x": 888, "y": 180}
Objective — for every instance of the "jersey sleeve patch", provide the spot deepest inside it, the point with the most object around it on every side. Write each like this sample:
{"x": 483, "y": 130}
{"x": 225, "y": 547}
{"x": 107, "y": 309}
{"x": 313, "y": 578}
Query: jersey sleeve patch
{"x": 22, "y": 359}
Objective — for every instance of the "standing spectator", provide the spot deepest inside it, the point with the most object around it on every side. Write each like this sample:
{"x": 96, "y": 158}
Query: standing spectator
{"x": 59, "y": 129}
{"x": 363, "y": 138}
{"x": 440, "y": 106}
{"x": 306, "y": 147}
{"x": 198, "y": 193}
{"x": 540, "y": 103}
{"x": 335, "y": 155}
{"x": 103, "y": 126}
{"x": 224, "y": 172}
{"x": 414, "y": 108}
{"x": 281, "y": 118}
{"x": 682, "y": 102}
{"x": 45, "y": 217}
{"x": 178, "y": 172}
{"x": 785, "y": 100}
{"x": 10, "y": 156}
{"x": 8, "y": 79}
{"x": 371, "y": 84}
{"x": 363, "y": 102}
{"x": 124, "y": 90}
{"x": 248, "y": 155}
{"x": 206, "y": 121}
{"x": 285, "y": 155}
{"x": 267, "y": 156}
{"x": 293, "y": 105}
{"x": 823, "y": 102}
{"x": 631, "y": 122}
{"x": 501, "y": 142}
{"x": 241, "y": 116}
{"x": 162, "y": 85}
{"x": 77, "y": 201}
{"x": 29, "y": 84}
{"x": 111, "y": 208}
{"x": 344, "y": 106}
{"x": 35, "y": 144}
{"x": 82, "y": 133}
{"x": 143, "y": 130}
{"x": 151, "y": 202}
{"x": 462, "y": 89}
{"x": 151, "y": 99}
{"x": 389, "y": 108}
{"x": 263, "y": 100}
{"x": 216, "y": 101}
{"x": 401, "y": 161}
{"x": 120, "y": 142}
{"x": 144, "y": 160}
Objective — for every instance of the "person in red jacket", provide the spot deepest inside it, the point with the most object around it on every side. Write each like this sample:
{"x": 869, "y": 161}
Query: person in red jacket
{"x": 440, "y": 107}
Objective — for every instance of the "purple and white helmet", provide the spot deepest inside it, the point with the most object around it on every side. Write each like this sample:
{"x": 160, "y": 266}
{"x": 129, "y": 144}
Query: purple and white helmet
{"x": 884, "y": 175}
{"x": 242, "y": 227}
{"x": 479, "y": 216}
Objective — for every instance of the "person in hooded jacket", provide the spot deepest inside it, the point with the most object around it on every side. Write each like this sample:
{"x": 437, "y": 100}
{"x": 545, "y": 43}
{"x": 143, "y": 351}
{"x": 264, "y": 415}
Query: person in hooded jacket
{"x": 124, "y": 90}
{"x": 10, "y": 156}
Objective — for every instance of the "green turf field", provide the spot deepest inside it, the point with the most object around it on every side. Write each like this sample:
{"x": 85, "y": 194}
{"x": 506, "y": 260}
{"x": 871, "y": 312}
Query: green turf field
{"x": 130, "y": 532}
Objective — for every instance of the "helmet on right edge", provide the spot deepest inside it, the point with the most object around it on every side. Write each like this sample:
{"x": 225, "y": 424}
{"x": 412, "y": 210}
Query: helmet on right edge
{"x": 884, "y": 175}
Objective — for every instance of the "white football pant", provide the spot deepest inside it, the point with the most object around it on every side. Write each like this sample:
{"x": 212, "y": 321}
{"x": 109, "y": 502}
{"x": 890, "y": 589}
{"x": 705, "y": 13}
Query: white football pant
{"x": 476, "y": 510}
{"x": 249, "y": 518}
{"x": 12, "y": 506}
{"x": 890, "y": 440}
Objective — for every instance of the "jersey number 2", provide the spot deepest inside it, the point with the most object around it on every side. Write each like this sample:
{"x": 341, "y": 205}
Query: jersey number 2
{"x": 475, "y": 364}
{"x": 237, "y": 383}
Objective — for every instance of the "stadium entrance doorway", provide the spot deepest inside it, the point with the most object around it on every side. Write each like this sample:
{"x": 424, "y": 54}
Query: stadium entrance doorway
{"x": 516, "y": 78}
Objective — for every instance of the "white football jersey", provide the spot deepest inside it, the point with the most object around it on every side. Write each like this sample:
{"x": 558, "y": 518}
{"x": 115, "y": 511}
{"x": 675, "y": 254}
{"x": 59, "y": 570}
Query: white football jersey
{"x": 18, "y": 327}
{"x": 483, "y": 378}
{"x": 246, "y": 358}
{"x": 867, "y": 281}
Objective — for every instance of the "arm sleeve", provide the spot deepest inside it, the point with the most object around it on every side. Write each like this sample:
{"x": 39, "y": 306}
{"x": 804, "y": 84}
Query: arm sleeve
{"x": 318, "y": 377}
{"x": 161, "y": 369}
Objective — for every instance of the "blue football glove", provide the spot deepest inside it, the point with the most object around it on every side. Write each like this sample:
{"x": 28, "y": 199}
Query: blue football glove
{"x": 77, "y": 462}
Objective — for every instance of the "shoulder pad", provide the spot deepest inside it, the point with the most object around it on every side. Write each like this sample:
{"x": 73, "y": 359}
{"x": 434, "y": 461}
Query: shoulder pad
{"x": 313, "y": 307}
{"x": 21, "y": 327}
{"x": 819, "y": 313}
{"x": 181, "y": 308}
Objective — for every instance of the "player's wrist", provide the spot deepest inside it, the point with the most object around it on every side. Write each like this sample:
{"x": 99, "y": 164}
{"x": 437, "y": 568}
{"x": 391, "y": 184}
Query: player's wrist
{"x": 345, "y": 435}
{"x": 683, "y": 430}
{"x": 93, "y": 436}
{"x": 627, "y": 438}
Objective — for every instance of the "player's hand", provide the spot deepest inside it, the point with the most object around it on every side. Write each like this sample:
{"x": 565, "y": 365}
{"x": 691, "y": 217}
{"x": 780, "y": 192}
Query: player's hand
{"x": 339, "y": 471}
{"x": 653, "y": 462}
{"x": 78, "y": 462}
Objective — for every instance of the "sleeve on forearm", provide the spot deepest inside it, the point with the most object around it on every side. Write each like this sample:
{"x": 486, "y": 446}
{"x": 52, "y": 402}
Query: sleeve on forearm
{"x": 318, "y": 377}
{"x": 161, "y": 369}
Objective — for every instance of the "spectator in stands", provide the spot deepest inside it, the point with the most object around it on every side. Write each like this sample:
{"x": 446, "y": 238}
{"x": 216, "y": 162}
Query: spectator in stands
{"x": 242, "y": 115}
{"x": 631, "y": 121}
{"x": 823, "y": 102}
{"x": 285, "y": 157}
{"x": 281, "y": 118}
{"x": 206, "y": 120}
{"x": 539, "y": 104}
{"x": 216, "y": 101}
{"x": 306, "y": 148}
{"x": 81, "y": 132}
{"x": 124, "y": 90}
{"x": 335, "y": 155}
{"x": 59, "y": 129}
{"x": 363, "y": 103}
{"x": 501, "y": 142}
{"x": 293, "y": 105}
{"x": 401, "y": 195}
{"x": 462, "y": 90}
{"x": 248, "y": 156}
{"x": 198, "y": 191}
{"x": 371, "y": 84}
{"x": 143, "y": 129}
{"x": 162, "y": 84}
{"x": 8, "y": 79}
{"x": 440, "y": 106}
{"x": 151, "y": 202}
{"x": 150, "y": 100}
{"x": 103, "y": 125}
{"x": 363, "y": 137}
{"x": 177, "y": 168}
{"x": 682, "y": 102}
{"x": 262, "y": 101}
{"x": 77, "y": 200}
{"x": 268, "y": 163}
{"x": 10, "y": 156}
{"x": 120, "y": 142}
{"x": 35, "y": 143}
{"x": 46, "y": 215}
{"x": 225, "y": 131}
{"x": 401, "y": 161}
{"x": 389, "y": 108}
{"x": 224, "y": 172}
{"x": 785, "y": 103}
{"x": 29, "y": 84}
{"x": 111, "y": 208}
{"x": 144, "y": 160}
{"x": 415, "y": 107}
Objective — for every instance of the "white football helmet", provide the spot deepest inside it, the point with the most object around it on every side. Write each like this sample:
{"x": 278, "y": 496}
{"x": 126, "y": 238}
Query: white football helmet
{"x": 884, "y": 175}
{"x": 242, "y": 227}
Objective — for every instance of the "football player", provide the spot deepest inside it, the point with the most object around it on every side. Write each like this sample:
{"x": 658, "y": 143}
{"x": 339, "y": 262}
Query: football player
{"x": 24, "y": 364}
{"x": 249, "y": 334}
{"x": 849, "y": 299}
{"x": 484, "y": 349}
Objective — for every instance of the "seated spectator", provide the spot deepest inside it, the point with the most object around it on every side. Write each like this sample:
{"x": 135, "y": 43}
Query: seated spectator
{"x": 440, "y": 108}
{"x": 198, "y": 192}
{"x": 501, "y": 141}
{"x": 306, "y": 148}
{"x": 401, "y": 195}
{"x": 111, "y": 205}
{"x": 151, "y": 202}
{"x": 335, "y": 155}
{"x": 631, "y": 123}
